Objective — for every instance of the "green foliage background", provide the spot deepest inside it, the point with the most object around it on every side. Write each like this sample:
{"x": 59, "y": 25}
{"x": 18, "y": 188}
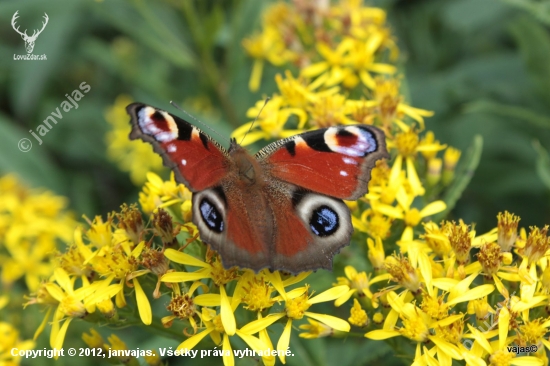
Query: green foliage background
{"x": 482, "y": 65}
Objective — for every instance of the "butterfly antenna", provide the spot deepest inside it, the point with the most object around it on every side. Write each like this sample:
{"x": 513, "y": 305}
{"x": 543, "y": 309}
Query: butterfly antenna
{"x": 202, "y": 124}
{"x": 252, "y": 124}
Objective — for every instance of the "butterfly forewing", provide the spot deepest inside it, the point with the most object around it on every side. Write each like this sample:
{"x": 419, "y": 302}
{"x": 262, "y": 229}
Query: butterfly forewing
{"x": 335, "y": 161}
{"x": 198, "y": 161}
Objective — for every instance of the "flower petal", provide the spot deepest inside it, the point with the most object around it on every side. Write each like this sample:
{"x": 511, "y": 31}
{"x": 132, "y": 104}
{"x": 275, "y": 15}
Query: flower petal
{"x": 527, "y": 361}
{"x": 207, "y": 300}
{"x": 63, "y": 279}
{"x": 473, "y": 294}
{"x": 228, "y": 359}
{"x": 433, "y": 208}
{"x": 503, "y": 324}
{"x": 342, "y": 299}
{"x": 254, "y": 343}
{"x": 284, "y": 341}
{"x": 226, "y": 312}
{"x": 329, "y": 295}
{"x": 192, "y": 341}
{"x": 143, "y": 304}
{"x": 256, "y": 325}
{"x": 183, "y": 258}
{"x": 416, "y": 186}
{"x": 186, "y": 276}
{"x": 58, "y": 343}
{"x": 381, "y": 334}
{"x": 447, "y": 347}
{"x": 331, "y": 321}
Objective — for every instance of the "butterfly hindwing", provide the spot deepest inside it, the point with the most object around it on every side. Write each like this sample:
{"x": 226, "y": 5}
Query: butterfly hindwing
{"x": 197, "y": 161}
{"x": 311, "y": 229}
{"x": 236, "y": 223}
{"x": 334, "y": 161}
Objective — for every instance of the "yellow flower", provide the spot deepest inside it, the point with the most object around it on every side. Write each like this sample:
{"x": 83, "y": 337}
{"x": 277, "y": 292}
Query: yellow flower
{"x": 184, "y": 306}
{"x": 450, "y": 159}
{"x": 267, "y": 45}
{"x": 271, "y": 121}
{"x": 376, "y": 252}
{"x": 389, "y": 107}
{"x": 459, "y": 291}
{"x": 373, "y": 223}
{"x": 481, "y": 308}
{"x": 537, "y": 244}
{"x": 437, "y": 239}
{"x": 411, "y": 215}
{"x": 407, "y": 145}
{"x": 361, "y": 59}
{"x": 10, "y": 340}
{"x": 72, "y": 303}
{"x": 358, "y": 316}
{"x": 416, "y": 326}
{"x": 403, "y": 272}
{"x": 358, "y": 283}
{"x": 32, "y": 221}
{"x": 316, "y": 329}
{"x": 329, "y": 111}
{"x": 297, "y": 303}
{"x": 216, "y": 327}
{"x": 507, "y": 230}
{"x": 334, "y": 69}
{"x": 117, "y": 344}
{"x": 490, "y": 258}
{"x": 159, "y": 193}
{"x": 135, "y": 157}
{"x": 433, "y": 174}
{"x": 93, "y": 340}
{"x": 497, "y": 350}
{"x": 256, "y": 291}
{"x": 214, "y": 270}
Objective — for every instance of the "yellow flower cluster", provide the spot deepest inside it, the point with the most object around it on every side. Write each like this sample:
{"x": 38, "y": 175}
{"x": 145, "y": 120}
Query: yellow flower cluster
{"x": 438, "y": 282}
{"x": 33, "y": 223}
{"x": 337, "y": 44}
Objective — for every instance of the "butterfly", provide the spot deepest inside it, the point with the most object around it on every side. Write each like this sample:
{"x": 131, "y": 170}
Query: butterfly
{"x": 281, "y": 208}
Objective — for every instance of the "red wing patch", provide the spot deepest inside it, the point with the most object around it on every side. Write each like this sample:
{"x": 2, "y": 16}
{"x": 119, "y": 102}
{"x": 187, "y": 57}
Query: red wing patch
{"x": 292, "y": 236}
{"x": 335, "y": 161}
{"x": 322, "y": 172}
{"x": 198, "y": 161}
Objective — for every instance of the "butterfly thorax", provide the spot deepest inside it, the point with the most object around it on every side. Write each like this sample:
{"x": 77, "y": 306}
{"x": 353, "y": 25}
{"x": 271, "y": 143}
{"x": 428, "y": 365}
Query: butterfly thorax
{"x": 246, "y": 165}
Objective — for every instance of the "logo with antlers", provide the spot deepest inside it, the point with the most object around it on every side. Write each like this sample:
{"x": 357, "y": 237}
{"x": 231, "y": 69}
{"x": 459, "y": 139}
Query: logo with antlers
{"x": 29, "y": 40}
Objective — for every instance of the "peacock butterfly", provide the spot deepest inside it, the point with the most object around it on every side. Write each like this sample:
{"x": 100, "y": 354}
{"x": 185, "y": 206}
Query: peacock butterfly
{"x": 280, "y": 209}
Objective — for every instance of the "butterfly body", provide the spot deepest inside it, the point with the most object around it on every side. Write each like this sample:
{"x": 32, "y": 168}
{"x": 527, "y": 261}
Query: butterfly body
{"x": 281, "y": 208}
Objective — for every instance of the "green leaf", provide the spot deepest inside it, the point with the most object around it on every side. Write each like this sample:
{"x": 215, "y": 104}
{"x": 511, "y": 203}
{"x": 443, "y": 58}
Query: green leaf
{"x": 539, "y": 9}
{"x": 543, "y": 163}
{"x": 464, "y": 174}
{"x": 520, "y": 113}
{"x": 534, "y": 44}
{"x": 151, "y": 29}
{"x": 32, "y": 166}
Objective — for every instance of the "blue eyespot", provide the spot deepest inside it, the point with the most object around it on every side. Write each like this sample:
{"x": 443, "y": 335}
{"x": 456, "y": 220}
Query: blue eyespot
{"x": 324, "y": 221}
{"x": 211, "y": 216}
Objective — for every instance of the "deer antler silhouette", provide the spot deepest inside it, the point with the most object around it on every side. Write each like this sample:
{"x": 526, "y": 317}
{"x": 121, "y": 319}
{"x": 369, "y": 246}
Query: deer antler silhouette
{"x": 29, "y": 40}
